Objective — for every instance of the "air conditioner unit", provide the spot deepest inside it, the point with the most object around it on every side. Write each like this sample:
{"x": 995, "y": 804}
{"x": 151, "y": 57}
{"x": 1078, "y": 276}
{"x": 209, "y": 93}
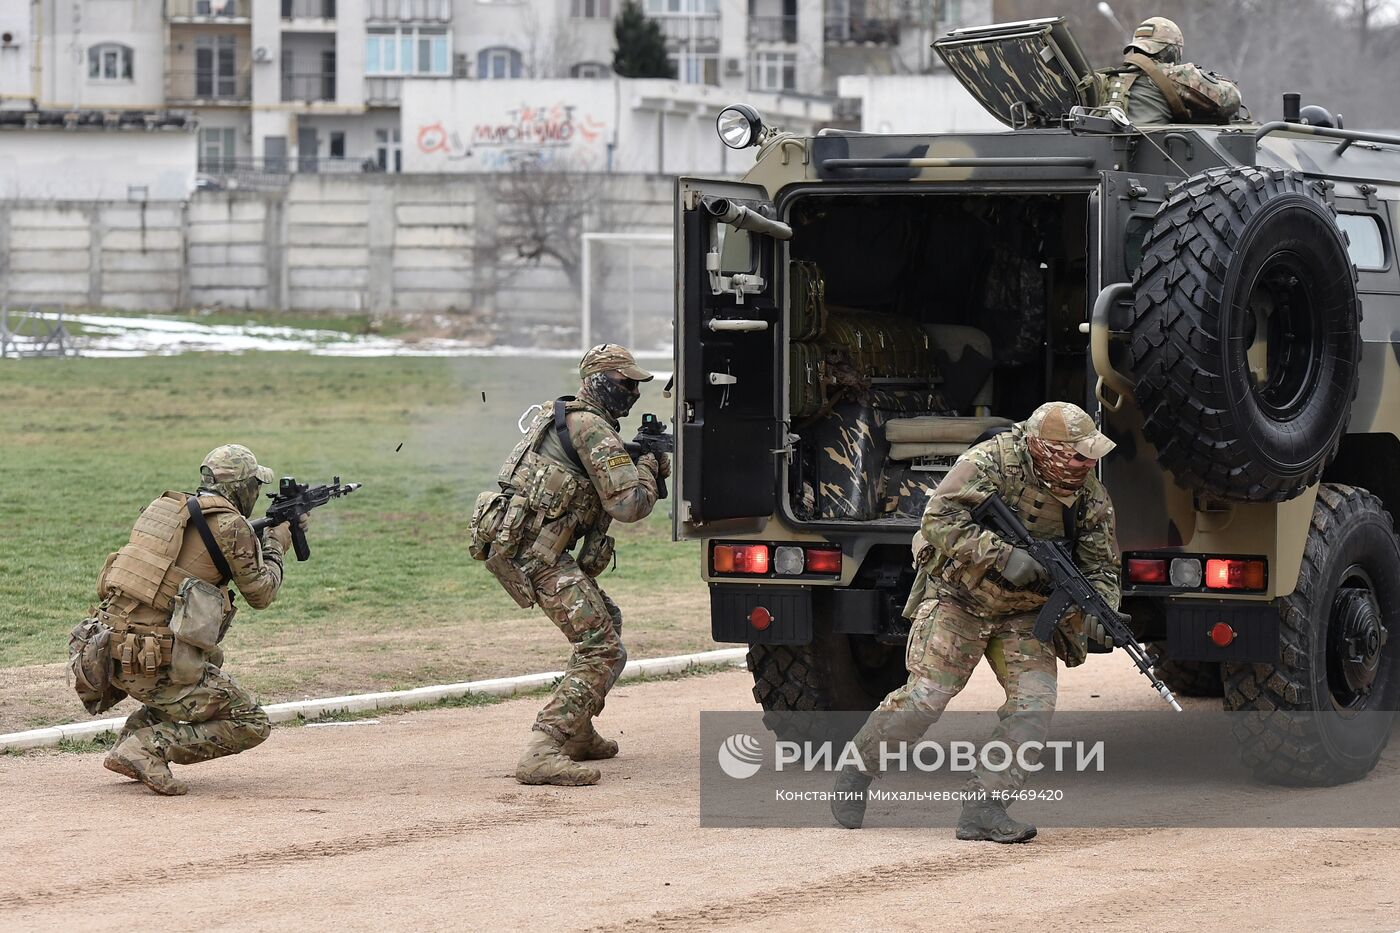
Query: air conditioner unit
{"x": 733, "y": 67}
{"x": 261, "y": 54}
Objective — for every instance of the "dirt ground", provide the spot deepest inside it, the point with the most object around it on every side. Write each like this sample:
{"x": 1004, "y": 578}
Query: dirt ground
{"x": 415, "y": 823}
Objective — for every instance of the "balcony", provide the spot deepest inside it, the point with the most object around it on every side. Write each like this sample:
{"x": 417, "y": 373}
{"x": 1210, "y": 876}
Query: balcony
{"x": 773, "y": 29}
{"x": 308, "y": 9}
{"x": 310, "y": 87}
{"x": 408, "y": 11}
{"x": 689, "y": 31}
{"x": 207, "y": 87}
{"x": 862, "y": 30}
{"x": 227, "y": 12}
{"x": 228, "y": 172}
{"x": 383, "y": 92}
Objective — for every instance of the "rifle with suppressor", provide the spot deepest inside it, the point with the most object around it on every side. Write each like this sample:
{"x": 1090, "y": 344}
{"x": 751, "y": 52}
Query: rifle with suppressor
{"x": 1072, "y": 588}
{"x": 652, "y": 439}
{"x": 293, "y": 500}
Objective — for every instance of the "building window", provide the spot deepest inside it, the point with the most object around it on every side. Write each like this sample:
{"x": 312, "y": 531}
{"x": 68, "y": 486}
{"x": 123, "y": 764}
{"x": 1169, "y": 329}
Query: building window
{"x": 388, "y": 151}
{"x": 695, "y": 67}
{"x": 109, "y": 62}
{"x": 682, "y": 7}
{"x": 217, "y": 149}
{"x": 215, "y": 66}
{"x": 498, "y": 62}
{"x": 591, "y": 70}
{"x": 408, "y": 50}
{"x": 591, "y": 9}
{"x": 337, "y": 149}
{"x": 773, "y": 71}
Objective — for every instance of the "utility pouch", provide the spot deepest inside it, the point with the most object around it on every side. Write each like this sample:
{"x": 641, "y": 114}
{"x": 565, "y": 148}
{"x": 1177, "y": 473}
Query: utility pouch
{"x": 125, "y": 654}
{"x": 512, "y": 580}
{"x": 149, "y": 658}
{"x": 90, "y": 666}
{"x": 550, "y": 489}
{"x": 596, "y": 553}
{"x": 513, "y": 527}
{"x": 197, "y": 614}
{"x": 486, "y": 521}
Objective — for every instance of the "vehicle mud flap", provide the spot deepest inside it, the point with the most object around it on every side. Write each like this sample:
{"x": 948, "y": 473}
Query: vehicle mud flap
{"x": 786, "y": 618}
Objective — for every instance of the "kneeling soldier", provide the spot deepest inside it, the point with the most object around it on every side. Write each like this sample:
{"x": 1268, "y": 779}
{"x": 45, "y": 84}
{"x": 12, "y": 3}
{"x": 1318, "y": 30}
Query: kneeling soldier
{"x": 164, "y": 600}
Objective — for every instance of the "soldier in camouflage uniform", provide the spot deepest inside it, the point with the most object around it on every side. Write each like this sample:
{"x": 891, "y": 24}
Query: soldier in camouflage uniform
{"x": 975, "y": 596}
{"x": 1153, "y": 85}
{"x": 191, "y": 710}
{"x": 563, "y": 483}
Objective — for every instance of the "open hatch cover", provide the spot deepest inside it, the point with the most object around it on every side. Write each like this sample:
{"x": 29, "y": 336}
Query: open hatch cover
{"x": 1025, "y": 74}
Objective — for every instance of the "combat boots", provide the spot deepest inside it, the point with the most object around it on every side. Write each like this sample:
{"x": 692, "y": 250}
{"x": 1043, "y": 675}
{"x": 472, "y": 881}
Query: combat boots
{"x": 848, "y": 801}
{"x": 545, "y": 763}
{"x": 588, "y": 745}
{"x": 987, "y": 820}
{"x": 134, "y": 760}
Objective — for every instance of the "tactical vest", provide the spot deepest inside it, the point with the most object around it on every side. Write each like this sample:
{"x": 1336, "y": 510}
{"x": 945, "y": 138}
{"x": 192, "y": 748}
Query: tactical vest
{"x": 1041, "y": 513}
{"x": 1191, "y": 95}
{"x": 139, "y": 582}
{"x": 552, "y": 504}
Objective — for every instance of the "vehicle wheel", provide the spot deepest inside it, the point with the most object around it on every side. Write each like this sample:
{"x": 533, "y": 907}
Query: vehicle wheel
{"x": 833, "y": 673}
{"x": 1187, "y": 678}
{"x": 1245, "y": 337}
{"x": 1324, "y": 711}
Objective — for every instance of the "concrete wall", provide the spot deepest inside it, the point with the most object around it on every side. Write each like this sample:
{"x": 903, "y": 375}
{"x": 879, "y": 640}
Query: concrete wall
{"x": 377, "y": 243}
{"x": 89, "y": 164}
{"x": 933, "y": 103}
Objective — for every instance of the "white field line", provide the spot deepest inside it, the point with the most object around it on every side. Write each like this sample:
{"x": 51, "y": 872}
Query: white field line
{"x": 419, "y": 696}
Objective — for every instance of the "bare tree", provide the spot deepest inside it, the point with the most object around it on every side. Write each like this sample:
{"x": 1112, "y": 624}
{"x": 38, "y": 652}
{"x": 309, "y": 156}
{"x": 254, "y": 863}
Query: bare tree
{"x": 548, "y": 48}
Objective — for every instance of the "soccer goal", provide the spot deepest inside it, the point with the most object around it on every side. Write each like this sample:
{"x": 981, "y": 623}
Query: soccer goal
{"x": 628, "y": 291}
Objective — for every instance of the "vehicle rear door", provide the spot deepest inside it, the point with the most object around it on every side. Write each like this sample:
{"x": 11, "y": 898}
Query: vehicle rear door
{"x": 727, "y": 391}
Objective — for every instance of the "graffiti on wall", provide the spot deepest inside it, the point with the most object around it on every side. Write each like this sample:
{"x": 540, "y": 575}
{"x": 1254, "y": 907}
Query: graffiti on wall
{"x": 524, "y": 134}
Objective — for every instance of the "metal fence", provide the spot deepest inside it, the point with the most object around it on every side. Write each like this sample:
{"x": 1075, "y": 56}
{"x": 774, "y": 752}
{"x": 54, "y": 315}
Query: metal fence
{"x": 773, "y": 29}
{"x": 312, "y": 86}
{"x": 308, "y": 9}
{"x": 230, "y": 172}
{"x": 209, "y": 9}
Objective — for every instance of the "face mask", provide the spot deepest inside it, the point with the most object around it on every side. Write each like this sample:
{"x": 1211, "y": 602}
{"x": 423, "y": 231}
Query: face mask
{"x": 243, "y": 494}
{"x": 616, "y": 397}
{"x": 1059, "y": 465}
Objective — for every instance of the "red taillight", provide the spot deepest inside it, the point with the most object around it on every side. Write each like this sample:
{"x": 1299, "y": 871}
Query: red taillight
{"x": 823, "y": 560}
{"x": 1235, "y": 574}
{"x": 1147, "y": 571}
{"x": 740, "y": 558}
{"x": 1222, "y": 634}
{"x": 760, "y": 618}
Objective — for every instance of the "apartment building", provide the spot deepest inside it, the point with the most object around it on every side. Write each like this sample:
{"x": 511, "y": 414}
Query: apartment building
{"x": 315, "y": 85}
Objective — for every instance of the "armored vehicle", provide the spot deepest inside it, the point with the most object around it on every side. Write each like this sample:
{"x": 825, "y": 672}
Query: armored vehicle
{"x": 859, "y": 309}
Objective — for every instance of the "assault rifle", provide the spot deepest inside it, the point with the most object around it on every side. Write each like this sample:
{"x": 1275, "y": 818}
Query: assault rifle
{"x": 652, "y": 439}
{"x": 293, "y": 500}
{"x": 1072, "y": 588}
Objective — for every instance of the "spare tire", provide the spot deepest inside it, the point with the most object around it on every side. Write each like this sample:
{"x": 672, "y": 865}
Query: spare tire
{"x": 1245, "y": 338}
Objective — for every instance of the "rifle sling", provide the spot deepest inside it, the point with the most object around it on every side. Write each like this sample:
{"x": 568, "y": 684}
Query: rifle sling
{"x": 201, "y": 525}
{"x": 561, "y": 430}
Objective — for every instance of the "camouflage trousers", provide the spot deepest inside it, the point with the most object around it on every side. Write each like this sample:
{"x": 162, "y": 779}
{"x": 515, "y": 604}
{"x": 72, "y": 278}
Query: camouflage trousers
{"x": 592, "y": 623}
{"x": 187, "y": 724}
{"x": 946, "y": 641}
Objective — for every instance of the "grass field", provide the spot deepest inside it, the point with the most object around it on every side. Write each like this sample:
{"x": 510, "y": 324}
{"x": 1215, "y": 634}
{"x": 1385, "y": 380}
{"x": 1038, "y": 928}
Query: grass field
{"x": 390, "y": 597}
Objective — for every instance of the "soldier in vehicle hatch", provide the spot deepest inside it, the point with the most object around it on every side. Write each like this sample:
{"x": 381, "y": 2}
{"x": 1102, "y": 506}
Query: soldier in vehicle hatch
{"x": 976, "y": 596}
{"x": 1154, "y": 85}
{"x": 564, "y": 482}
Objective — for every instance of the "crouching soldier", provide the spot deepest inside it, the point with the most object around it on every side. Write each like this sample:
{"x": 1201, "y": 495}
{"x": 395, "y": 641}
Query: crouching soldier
{"x": 563, "y": 483}
{"x": 976, "y": 596}
{"x": 164, "y": 610}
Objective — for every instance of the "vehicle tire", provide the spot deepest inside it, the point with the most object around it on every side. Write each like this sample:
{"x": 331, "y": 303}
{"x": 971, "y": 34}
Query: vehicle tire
{"x": 1187, "y": 678}
{"x": 1323, "y": 713}
{"x": 1245, "y": 338}
{"x": 833, "y": 673}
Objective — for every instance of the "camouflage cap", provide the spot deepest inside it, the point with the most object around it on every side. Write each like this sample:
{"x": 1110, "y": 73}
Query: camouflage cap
{"x": 612, "y": 357}
{"x": 233, "y": 462}
{"x": 1069, "y": 424}
{"x": 1155, "y": 34}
